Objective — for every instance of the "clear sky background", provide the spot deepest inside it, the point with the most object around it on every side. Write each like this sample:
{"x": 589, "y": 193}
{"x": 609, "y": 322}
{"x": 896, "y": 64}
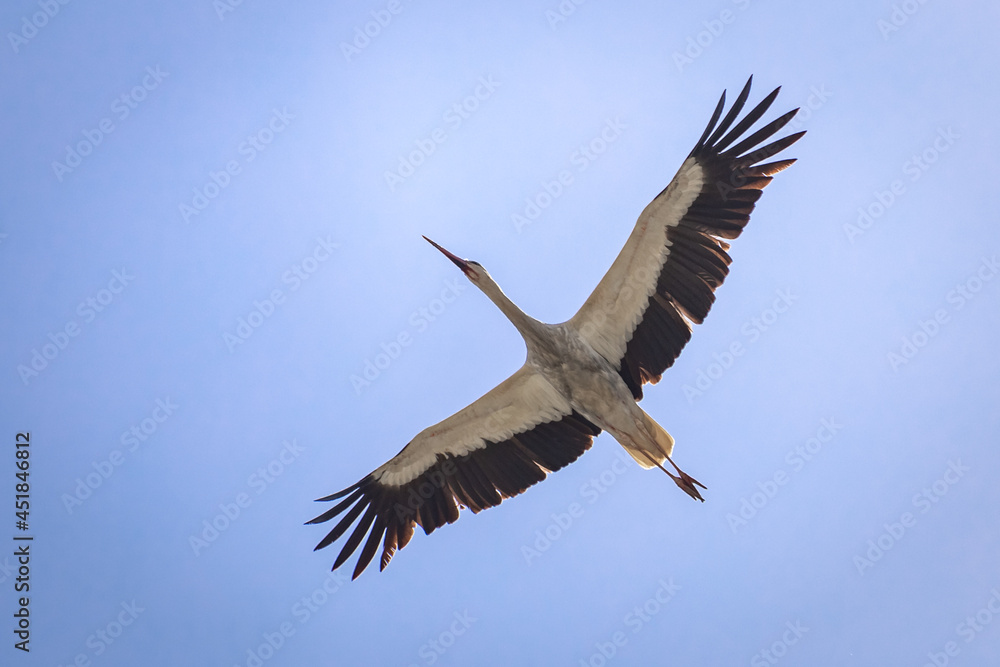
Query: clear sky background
{"x": 200, "y": 249}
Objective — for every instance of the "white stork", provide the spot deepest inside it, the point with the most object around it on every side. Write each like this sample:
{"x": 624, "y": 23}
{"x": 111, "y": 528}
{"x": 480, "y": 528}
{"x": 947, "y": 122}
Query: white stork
{"x": 584, "y": 375}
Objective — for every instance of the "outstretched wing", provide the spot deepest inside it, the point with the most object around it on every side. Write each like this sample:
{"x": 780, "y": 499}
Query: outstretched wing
{"x": 665, "y": 277}
{"x": 495, "y": 448}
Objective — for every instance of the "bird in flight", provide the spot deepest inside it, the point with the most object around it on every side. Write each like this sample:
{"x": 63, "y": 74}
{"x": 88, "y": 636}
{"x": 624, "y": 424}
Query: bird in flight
{"x": 584, "y": 375}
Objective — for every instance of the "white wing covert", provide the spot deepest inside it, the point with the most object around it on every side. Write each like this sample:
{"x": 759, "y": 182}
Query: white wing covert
{"x": 495, "y": 448}
{"x": 665, "y": 277}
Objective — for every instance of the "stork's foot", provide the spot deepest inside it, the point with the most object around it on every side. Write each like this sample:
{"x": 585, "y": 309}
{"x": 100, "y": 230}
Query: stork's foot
{"x": 685, "y": 481}
{"x": 688, "y": 484}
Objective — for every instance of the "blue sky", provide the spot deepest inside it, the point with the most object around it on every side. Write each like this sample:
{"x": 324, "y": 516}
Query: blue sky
{"x": 202, "y": 253}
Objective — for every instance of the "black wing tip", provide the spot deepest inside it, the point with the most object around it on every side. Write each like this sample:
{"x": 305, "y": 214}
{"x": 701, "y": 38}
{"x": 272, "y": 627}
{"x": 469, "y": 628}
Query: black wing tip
{"x": 336, "y": 566}
{"x": 353, "y": 576}
{"x": 745, "y": 90}
{"x": 727, "y": 121}
{"x": 340, "y": 494}
{"x": 480, "y": 480}
{"x": 792, "y": 138}
{"x": 715, "y": 138}
{"x": 322, "y": 518}
{"x": 711, "y": 123}
{"x": 733, "y": 180}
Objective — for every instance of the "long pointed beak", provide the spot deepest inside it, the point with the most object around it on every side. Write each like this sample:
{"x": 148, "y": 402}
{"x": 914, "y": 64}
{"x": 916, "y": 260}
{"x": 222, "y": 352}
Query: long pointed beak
{"x": 459, "y": 262}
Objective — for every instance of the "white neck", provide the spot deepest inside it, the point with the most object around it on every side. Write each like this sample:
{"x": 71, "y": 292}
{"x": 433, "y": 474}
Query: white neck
{"x": 530, "y": 329}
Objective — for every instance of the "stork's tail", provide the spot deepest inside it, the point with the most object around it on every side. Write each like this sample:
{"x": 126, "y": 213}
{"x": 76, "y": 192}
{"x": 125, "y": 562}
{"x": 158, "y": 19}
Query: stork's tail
{"x": 664, "y": 443}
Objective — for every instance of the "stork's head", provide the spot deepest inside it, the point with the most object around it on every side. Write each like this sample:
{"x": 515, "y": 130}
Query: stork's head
{"x": 472, "y": 270}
